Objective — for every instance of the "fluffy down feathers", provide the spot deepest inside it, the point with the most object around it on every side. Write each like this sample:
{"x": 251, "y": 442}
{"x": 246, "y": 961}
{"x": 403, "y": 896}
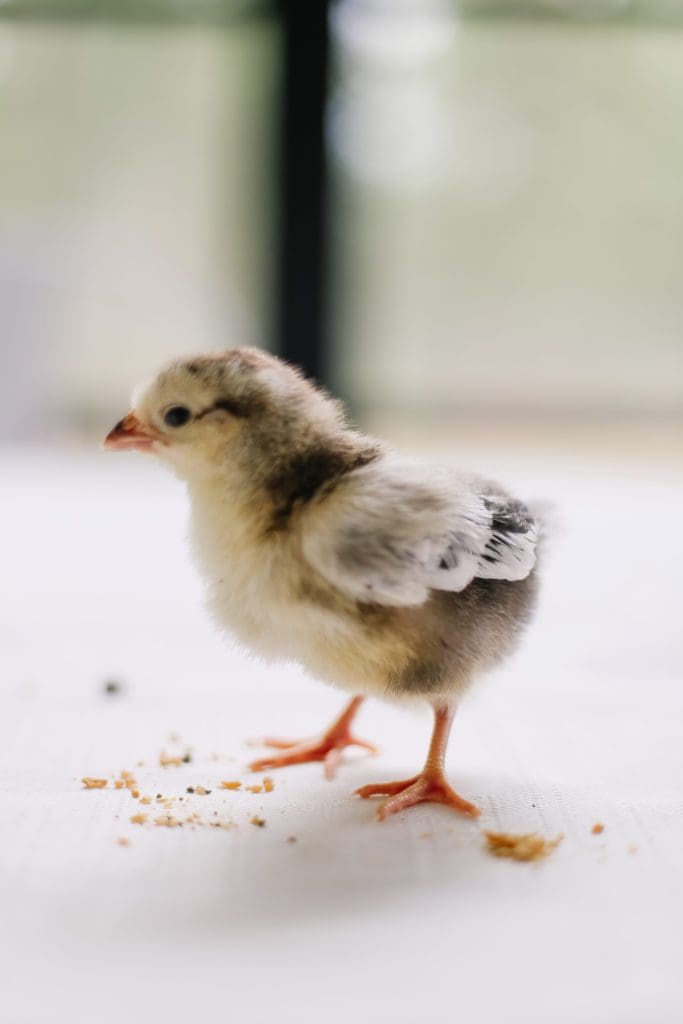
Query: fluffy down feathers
{"x": 378, "y": 574}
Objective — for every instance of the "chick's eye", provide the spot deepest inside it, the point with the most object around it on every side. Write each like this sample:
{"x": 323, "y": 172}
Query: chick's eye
{"x": 177, "y": 416}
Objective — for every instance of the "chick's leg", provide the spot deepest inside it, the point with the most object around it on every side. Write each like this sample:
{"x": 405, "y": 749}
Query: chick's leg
{"x": 327, "y": 748}
{"x": 431, "y": 785}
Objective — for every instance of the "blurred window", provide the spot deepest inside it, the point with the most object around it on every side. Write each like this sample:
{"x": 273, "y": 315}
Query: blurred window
{"x": 135, "y": 210}
{"x": 509, "y": 212}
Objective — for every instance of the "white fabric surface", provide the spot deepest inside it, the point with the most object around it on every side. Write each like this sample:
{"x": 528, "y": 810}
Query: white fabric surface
{"x": 406, "y": 921}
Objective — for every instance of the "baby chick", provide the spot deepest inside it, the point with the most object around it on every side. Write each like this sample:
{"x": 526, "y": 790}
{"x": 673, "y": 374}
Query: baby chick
{"x": 381, "y": 575}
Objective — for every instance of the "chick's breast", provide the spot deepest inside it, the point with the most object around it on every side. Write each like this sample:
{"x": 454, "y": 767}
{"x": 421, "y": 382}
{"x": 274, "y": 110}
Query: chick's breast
{"x": 261, "y": 590}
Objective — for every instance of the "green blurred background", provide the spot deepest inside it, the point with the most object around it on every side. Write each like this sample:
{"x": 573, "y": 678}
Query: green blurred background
{"x": 506, "y": 211}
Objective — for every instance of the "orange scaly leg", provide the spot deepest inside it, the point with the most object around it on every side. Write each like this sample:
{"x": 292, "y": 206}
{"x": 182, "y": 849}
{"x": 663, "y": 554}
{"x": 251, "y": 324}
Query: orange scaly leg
{"x": 327, "y": 748}
{"x": 431, "y": 785}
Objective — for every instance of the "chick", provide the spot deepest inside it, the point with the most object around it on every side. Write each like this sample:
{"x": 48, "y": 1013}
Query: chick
{"x": 382, "y": 575}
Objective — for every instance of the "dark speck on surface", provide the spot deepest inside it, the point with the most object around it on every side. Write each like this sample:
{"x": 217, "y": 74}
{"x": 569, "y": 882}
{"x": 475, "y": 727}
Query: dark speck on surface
{"x": 113, "y": 687}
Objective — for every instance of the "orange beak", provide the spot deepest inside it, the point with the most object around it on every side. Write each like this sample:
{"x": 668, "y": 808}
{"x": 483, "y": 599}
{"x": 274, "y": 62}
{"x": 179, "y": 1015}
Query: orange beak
{"x": 130, "y": 435}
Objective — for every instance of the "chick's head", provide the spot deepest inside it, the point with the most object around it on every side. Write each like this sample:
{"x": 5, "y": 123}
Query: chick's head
{"x": 203, "y": 414}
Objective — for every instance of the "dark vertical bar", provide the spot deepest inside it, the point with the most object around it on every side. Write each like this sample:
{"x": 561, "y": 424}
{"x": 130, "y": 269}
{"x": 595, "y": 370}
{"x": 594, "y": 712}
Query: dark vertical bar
{"x": 302, "y": 235}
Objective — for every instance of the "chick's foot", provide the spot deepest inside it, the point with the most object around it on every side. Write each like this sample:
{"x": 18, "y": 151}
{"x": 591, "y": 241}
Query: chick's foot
{"x": 428, "y": 787}
{"x": 328, "y": 748}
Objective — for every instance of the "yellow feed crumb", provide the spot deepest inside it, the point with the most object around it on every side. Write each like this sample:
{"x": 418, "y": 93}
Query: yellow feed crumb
{"x": 90, "y": 783}
{"x": 255, "y": 820}
{"x": 598, "y": 828}
{"x": 123, "y": 841}
{"x": 138, "y": 819}
{"x": 166, "y": 759}
{"x": 231, "y": 785}
{"x": 167, "y": 821}
{"x": 118, "y": 784}
{"x": 135, "y": 793}
{"x": 254, "y": 789}
{"x": 268, "y": 785}
{"x": 145, "y": 799}
{"x": 529, "y": 846}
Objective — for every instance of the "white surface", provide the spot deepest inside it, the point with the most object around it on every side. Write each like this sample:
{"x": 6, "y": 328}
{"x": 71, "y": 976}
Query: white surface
{"x": 406, "y": 921}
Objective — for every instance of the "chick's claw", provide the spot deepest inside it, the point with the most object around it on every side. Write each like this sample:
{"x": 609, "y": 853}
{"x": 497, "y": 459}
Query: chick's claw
{"x": 327, "y": 749}
{"x": 276, "y": 744}
{"x": 428, "y": 787}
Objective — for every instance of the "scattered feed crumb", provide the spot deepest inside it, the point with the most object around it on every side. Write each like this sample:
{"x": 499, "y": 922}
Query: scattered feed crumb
{"x": 268, "y": 784}
{"x": 633, "y": 848}
{"x": 231, "y": 785}
{"x": 529, "y": 846}
{"x": 255, "y": 820}
{"x": 127, "y": 776}
{"x": 165, "y": 760}
{"x": 254, "y": 789}
{"x": 139, "y": 819}
{"x": 145, "y": 799}
{"x": 90, "y": 783}
{"x": 135, "y": 793}
{"x": 122, "y": 841}
{"x": 119, "y": 784}
{"x": 167, "y": 821}
{"x": 200, "y": 791}
{"x": 598, "y": 828}
{"x": 292, "y": 839}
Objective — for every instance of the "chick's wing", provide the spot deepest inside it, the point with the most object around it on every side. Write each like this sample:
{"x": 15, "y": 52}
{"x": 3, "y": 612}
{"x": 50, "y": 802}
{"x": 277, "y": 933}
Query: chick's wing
{"x": 392, "y": 531}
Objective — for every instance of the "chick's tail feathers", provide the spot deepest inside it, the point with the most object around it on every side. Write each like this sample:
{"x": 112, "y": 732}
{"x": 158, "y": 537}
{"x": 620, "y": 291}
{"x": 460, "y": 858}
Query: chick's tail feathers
{"x": 549, "y": 525}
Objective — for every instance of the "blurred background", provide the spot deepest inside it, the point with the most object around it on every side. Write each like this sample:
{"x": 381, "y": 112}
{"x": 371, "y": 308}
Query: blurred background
{"x": 466, "y": 218}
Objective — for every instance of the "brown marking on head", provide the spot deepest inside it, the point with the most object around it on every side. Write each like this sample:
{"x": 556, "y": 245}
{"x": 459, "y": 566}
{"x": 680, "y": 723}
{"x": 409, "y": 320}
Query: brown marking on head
{"x": 253, "y": 358}
{"x": 241, "y": 408}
